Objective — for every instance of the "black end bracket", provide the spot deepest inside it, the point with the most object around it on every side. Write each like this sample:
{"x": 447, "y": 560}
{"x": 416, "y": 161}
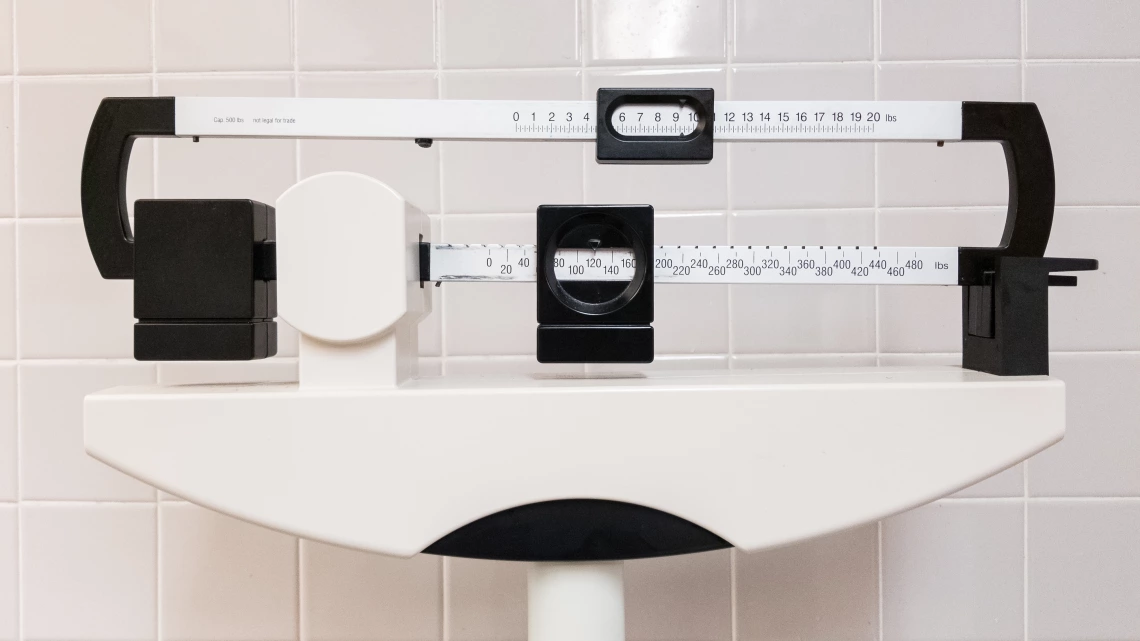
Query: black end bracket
{"x": 1005, "y": 318}
{"x": 1005, "y": 289}
{"x": 204, "y": 270}
{"x": 103, "y": 190}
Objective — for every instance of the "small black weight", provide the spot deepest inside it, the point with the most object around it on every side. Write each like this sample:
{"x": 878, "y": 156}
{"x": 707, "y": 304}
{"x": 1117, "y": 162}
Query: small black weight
{"x": 595, "y": 321}
{"x": 205, "y": 286}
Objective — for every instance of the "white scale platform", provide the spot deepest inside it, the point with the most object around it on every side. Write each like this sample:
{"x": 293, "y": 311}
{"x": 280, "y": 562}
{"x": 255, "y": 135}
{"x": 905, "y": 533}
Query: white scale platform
{"x": 761, "y": 459}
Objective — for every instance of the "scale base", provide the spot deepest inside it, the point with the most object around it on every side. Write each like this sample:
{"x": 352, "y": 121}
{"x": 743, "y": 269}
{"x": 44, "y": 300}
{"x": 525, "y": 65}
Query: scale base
{"x": 759, "y": 459}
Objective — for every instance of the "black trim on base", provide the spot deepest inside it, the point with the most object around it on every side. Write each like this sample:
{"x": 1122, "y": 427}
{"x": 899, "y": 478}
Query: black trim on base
{"x": 577, "y": 530}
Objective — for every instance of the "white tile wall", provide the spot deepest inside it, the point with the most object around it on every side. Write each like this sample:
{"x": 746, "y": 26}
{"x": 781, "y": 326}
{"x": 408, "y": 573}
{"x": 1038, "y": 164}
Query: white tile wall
{"x": 87, "y": 571}
{"x": 954, "y": 570}
{"x": 355, "y": 596}
{"x": 255, "y": 33}
{"x": 679, "y": 598}
{"x": 827, "y": 588}
{"x": 1084, "y": 570}
{"x": 949, "y": 29}
{"x": 1041, "y": 552}
{"x": 224, "y": 579}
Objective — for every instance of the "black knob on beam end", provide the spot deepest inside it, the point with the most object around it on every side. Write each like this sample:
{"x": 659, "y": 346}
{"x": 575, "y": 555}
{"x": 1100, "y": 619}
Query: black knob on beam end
{"x": 205, "y": 285}
{"x": 615, "y": 147}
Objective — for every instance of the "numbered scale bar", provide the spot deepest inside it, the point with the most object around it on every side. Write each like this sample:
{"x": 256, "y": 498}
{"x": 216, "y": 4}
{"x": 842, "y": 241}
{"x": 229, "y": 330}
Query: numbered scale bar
{"x": 739, "y": 264}
{"x": 560, "y": 119}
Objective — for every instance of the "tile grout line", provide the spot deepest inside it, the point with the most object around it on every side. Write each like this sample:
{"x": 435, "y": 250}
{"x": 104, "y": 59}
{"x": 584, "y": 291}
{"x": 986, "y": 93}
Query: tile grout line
{"x": 749, "y": 355}
{"x": 1024, "y": 43}
{"x": 299, "y": 556}
{"x": 733, "y": 593}
{"x": 709, "y": 65}
{"x": 20, "y": 606}
{"x": 730, "y": 38}
{"x": 580, "y": 7}
{"x": 996, "y": 208}
{"x": 876, "y": 46}
{"x": 437, "y": 52}
{"x": 154, "y": 164}
{"x": 730, "y": 46}
{"x": 876, "y": 50}
{"x": 1032, "y": 500}
{"x": 444, "y": 598}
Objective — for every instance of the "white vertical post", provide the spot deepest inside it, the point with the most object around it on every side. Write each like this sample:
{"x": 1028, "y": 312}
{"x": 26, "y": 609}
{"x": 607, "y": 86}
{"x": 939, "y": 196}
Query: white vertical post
{"x": 348, "y": 279}
{"x": 576, "y": 602}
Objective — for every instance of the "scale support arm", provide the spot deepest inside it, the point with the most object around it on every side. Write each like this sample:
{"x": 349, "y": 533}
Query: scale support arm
{"x": 639, "y": 126}
{"x": 684, "y": 124}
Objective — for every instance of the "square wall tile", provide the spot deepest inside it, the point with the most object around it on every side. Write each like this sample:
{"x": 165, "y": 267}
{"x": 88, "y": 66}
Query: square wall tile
{"x": 656, "y": 31}
{"x": 679, "y": 598}
{"x": 1095, "y": 162}
{"x": 55, "y": 115}
{"x": 225, "y": 579}
{"x": 222, "y": 35}
{"x": 786, "y": 175}
{"x": 664, "y": 363}
{"x": 1084, "y": 571}
{"x": 487, "y": 600}
{"x": 5, "y": 37}
{"x": 7, "y": 157}
{"x": 270, "y": 370}
{"x": 8, "y": 465}
{"x": 1098, "y": 455}
{"x": 690, "y": 320}
{"x": 55, "y": 465}
{"x": 506, "y": 366}
{"x": 1104, "y": 299}
{"x": 365, "y": 34}
{"x": 9, "y": 574}
{"x": 221, "y": 168}
{"x": 958, "y": 173}
{"x": 507, "y": 310}
{"x": 66, "y": 309}
{"x": 7, "y": 289}
{"x": 355, "y": 596}
{"x": 823, "y": 318}
{"x": 775, "y": 362}
{"x": 83, "y": 36}
{"x": 826, "y": 589}
{"x": 949, "y": 29}
{"x": 1082, "y": 29}
{"x": 954, "y": 571}
{"x": 511, "y": 177}
{"x": 921, "y": 318}
{"x": 88, "y": 572}
{"x": 666, "y": 187}
{"x": 802, "y": 31}
{"x": 509, "y": 33}
{"x": 404, "y": 166}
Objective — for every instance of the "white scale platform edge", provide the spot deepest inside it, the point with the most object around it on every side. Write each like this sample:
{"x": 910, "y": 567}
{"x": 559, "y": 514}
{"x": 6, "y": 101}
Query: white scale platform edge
{"x": 761, "y": 459}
